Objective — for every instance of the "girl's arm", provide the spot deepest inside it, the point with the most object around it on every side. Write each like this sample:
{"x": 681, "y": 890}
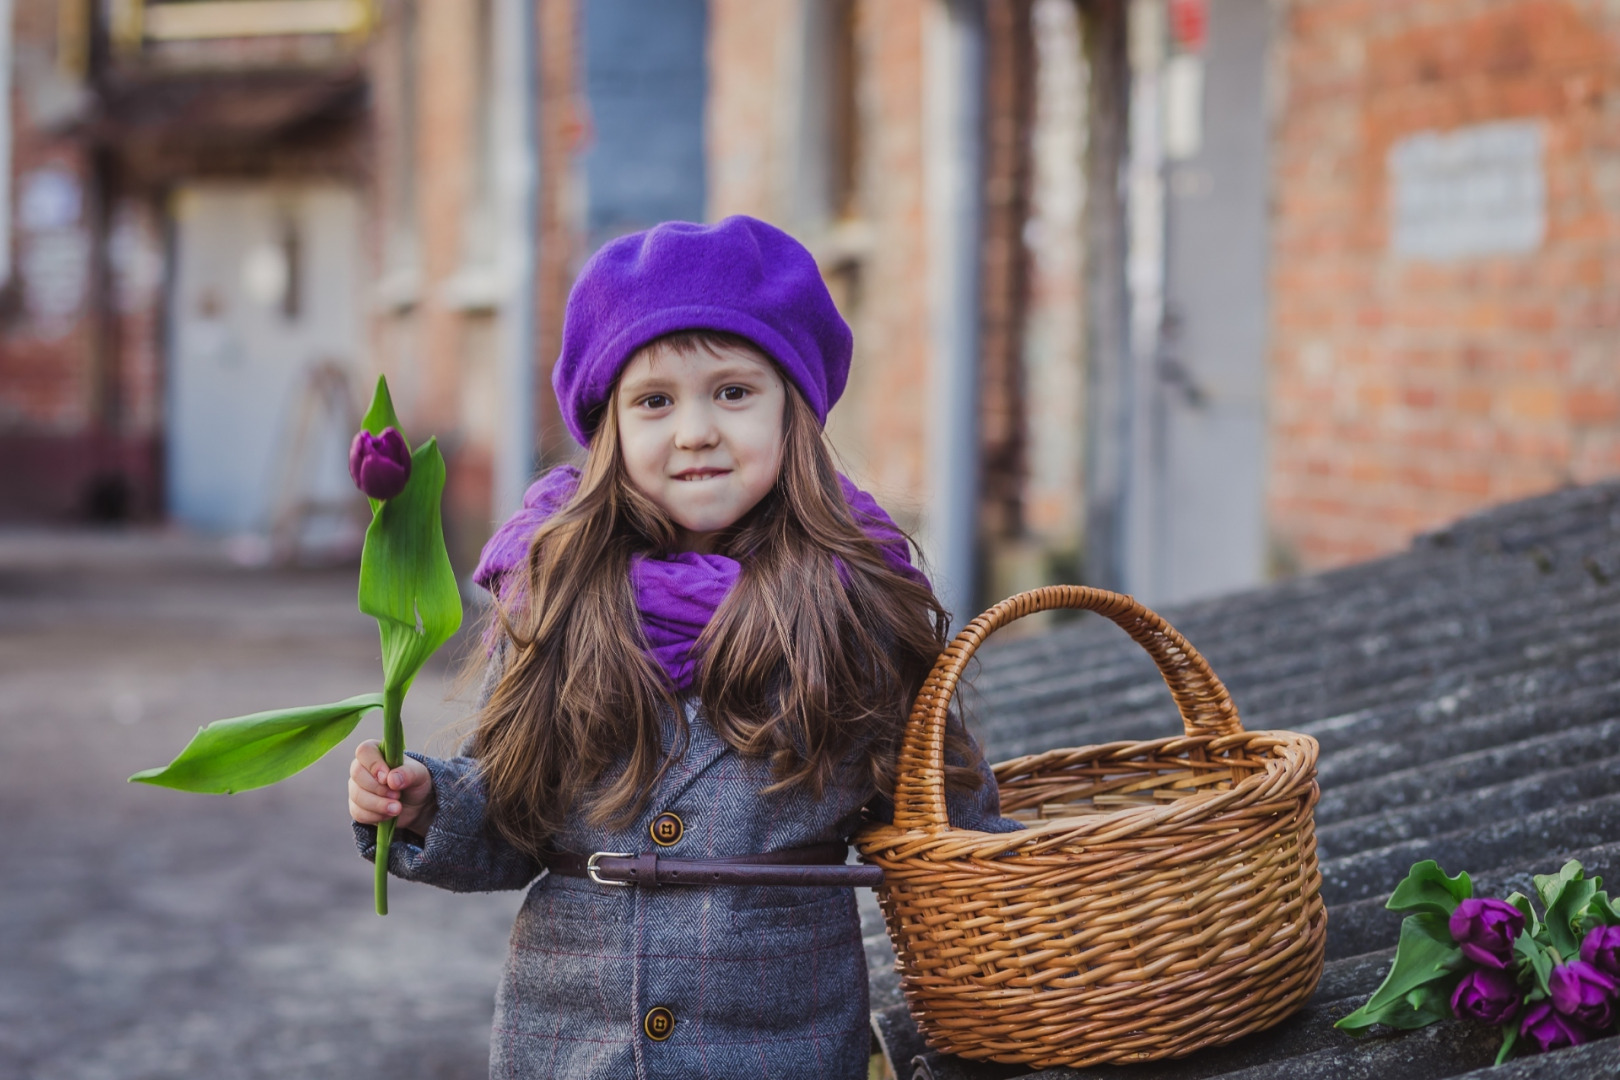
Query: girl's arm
{"x": 458, "y": 850}
{"x": 979, "y": 810}
{"x": 443, "y": 803}
{"x": 375, "y": 794}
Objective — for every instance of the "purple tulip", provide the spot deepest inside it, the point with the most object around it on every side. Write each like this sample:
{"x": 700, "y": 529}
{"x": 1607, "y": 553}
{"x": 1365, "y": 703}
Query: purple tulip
{"x": 1583, "y": 993}
{"x": 1601, "y": 949}
{"x": 1485, "y": 929}
{"x": 1549, "y": 1030}
{"x": 380, "y": 464}
{"x": 1487, "y": 995}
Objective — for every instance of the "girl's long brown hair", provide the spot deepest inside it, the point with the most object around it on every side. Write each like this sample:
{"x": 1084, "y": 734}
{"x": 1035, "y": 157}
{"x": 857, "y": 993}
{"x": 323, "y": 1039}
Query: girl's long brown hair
{"x": 806, "y": 668}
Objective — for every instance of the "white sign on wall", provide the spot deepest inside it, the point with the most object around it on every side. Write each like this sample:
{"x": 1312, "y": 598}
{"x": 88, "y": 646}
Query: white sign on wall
{"x": 1478, "y": 190}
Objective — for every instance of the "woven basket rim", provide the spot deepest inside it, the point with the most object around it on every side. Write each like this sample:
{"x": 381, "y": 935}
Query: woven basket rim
{"x": 1285, "y": 769}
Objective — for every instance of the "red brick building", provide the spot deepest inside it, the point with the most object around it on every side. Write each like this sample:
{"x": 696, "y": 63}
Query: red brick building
{"x": 1409, "y": 388}
{"x": 1169, "y": 295}
{"x": 227, "y": 218}
{"x": 1259, "y": 286}
{"x": 58, "y": 428}
{"x": 137, "y": 139}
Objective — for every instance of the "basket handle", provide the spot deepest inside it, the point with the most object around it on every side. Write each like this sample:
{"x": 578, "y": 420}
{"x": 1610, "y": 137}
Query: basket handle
{"x": 1206, "y": 707}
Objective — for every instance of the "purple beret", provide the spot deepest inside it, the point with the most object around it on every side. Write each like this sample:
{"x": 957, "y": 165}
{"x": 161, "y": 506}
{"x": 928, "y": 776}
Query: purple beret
{"x": 741, "y": 276}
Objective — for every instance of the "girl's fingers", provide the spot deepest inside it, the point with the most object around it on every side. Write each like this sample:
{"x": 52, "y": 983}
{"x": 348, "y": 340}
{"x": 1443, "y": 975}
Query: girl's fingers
{"x": 369, "y": 754}
{"x": 368, "y": 808}
{"x": 367, "y": 779}
{"x": 369, "y": 762}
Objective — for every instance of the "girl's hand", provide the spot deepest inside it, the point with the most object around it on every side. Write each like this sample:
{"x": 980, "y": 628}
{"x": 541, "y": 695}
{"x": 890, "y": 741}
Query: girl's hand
{"x": 375, "y": 794}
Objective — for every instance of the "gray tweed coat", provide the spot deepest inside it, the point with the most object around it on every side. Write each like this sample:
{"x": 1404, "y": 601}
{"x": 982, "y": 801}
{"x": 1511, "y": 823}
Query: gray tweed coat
{"x": 760, "y": 982}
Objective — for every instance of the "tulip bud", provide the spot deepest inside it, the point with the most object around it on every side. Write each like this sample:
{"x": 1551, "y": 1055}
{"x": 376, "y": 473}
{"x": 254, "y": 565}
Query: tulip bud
{"x": 1487, "y": 995}
{"x": 380, "y": 464}
{"x": 1601, "y": 949}
{"x": 1549, "y": 1030}
{"x": 1486, "y": 929}
{"x": 1583, "y": 993}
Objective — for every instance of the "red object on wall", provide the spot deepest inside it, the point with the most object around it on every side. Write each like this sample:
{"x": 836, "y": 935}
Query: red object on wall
{"x": 1189, "y": 23}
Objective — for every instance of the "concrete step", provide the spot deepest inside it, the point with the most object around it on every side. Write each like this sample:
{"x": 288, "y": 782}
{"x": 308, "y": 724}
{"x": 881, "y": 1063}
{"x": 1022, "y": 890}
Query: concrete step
{"x": 1497, "y": 843}
{"x": 1475, "y": 769}
{"x": 1529, "y": 794}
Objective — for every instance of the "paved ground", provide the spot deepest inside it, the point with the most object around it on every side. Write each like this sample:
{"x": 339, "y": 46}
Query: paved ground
{"x": 147, "y": 933}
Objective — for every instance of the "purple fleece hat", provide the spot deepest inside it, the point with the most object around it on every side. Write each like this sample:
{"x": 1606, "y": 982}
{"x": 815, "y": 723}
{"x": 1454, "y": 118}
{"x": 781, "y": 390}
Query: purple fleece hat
{"x": 741, "y": 276}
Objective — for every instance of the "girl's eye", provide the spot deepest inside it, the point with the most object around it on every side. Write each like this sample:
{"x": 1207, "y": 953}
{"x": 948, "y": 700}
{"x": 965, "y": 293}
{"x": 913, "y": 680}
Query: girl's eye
{"x": 655, "y": 401}
{"x": 734, "y": 393}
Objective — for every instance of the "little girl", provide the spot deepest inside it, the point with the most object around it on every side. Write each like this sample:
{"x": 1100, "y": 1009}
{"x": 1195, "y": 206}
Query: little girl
{"x": 706, "y": 644}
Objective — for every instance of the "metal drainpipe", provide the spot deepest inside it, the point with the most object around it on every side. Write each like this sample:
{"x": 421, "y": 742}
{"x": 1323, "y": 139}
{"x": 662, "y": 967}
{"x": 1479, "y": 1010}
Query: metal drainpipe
{"x": 517, "y": 42}
{"x": 953, "y": 132}
{"x": 1145, "y": 488}
{"x": 5, "y": 142}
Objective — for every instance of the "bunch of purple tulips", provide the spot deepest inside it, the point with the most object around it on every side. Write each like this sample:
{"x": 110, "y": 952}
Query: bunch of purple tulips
{"x": 1546, "y": 979}
{"x": 1582, "y": 999}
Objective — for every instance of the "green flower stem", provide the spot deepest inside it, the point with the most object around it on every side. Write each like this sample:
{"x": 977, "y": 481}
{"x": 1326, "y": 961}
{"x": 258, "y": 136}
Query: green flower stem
{"x": 393, "y": 748}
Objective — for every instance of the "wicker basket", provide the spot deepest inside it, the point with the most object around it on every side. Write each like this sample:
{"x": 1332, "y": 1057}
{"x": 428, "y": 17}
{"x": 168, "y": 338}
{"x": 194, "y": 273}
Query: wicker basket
{"x": 1163, "y": 897}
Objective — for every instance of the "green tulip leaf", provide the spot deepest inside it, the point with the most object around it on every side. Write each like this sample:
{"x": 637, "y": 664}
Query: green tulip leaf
{"x": 1427, "y": 888}
{"x": 247, "y": 752}
{"x": 1537, "y": 957}
{"x": 1425, "y": 1005}
{"x": 1532, "y": 921}
{"x": 1549, "y": 886}
{"x": 406, "y": 582}
{"x": 379, "y": 417}
{"x": 1510, "y": 1036}
{"x": 1566, "y": 897}
{"x": 1600, "y": 911}
{"x": 1425, "y": 957}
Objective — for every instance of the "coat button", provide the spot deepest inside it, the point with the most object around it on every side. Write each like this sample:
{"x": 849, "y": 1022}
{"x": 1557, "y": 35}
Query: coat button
{"x": 666, "y": 829}
{"x": 659, "y": 1023}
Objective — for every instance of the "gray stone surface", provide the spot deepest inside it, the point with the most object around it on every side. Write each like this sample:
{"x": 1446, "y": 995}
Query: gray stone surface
{"x": 1466, "y": 695}
{"x": 1592, "y": 1060}
{"x": 147, "y": 933}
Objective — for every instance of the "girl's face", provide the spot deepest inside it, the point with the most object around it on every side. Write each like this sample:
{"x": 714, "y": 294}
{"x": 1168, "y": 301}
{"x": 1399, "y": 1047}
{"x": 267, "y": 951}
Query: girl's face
{"x": 701, "y": 434}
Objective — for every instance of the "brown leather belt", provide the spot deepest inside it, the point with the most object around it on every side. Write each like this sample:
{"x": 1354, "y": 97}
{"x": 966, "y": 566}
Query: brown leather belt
{"x": 822, "y": 864}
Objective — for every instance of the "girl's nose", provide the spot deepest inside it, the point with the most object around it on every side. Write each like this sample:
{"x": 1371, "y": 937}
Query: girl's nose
{"x": 695, "y": 428}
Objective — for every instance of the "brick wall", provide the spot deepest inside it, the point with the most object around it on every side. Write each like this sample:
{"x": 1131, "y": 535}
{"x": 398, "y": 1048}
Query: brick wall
{"x": 1406, "y": 391}
{"x": 875, "y": 255}
{"x": 563, "y": 120}
{"x": 747, "y": 43}
{"x": 438, "y": 340}
{"x": 889, "y": 405}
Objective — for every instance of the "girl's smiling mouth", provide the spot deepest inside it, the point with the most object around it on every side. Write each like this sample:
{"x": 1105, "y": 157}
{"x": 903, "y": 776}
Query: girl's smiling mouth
{"x": 701, "y": 474}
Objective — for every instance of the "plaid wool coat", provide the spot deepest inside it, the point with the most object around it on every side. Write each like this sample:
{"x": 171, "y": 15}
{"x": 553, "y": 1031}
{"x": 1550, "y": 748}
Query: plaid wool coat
{"x": 752, "y": 982}
{"x": 765, "y": 982}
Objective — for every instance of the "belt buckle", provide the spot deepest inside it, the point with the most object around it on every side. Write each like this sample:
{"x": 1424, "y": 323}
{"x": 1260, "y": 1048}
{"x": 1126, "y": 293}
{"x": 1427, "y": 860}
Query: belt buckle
{"x": 590, "y": 868}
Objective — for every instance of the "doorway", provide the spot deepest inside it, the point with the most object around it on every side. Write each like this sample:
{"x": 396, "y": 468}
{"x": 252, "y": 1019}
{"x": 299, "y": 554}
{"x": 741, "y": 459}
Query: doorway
{"x": 263, "y": 305}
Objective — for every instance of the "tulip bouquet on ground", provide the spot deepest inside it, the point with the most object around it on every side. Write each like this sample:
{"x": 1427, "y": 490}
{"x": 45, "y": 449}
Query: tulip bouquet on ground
{"x": 406, "y": 584}
{"x": 1547, "y": 980}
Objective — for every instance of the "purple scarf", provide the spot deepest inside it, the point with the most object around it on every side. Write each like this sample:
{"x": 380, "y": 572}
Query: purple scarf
{"x": 677, "y": 595}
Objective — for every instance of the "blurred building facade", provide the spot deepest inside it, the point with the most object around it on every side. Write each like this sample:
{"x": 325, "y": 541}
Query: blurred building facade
{"x": 1163, "y": 295}
{"x": 1256, "y": 286}
{"x": 188, "y": 249}
{"x": 1445, "y": 264}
